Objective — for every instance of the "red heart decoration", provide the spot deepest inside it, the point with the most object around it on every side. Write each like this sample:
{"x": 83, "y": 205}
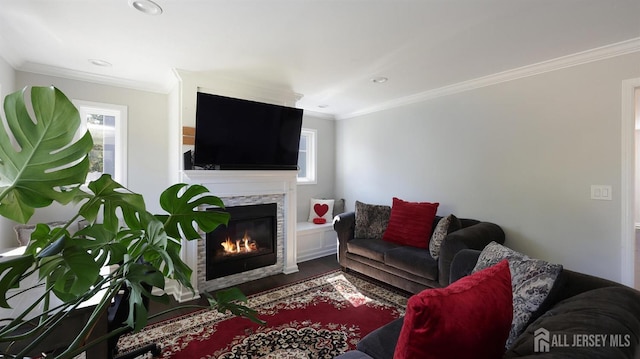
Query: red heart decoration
{"x": 321, "y": 209}
{"x": 319, "y": 220}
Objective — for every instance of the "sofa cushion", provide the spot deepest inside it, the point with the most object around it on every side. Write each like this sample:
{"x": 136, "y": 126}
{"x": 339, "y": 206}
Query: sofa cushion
{"x": 416, "y": 261}
{"x": 611, "y": 313}
{"x": 468, "y": 319}
{"x": 371, "y": 220}
{"x": 381, "y": 343}
{"x": 353, "y": 354}
{"x": 532, "y": 281}
{"x": 445, "y": 226}
{"x": 374, "y": 249}
{"x": 410, "y": 223}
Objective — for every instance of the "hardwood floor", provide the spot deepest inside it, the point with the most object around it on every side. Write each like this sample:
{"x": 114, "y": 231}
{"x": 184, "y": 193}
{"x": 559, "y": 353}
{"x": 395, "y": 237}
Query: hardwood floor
{"x": 306, "y": 270}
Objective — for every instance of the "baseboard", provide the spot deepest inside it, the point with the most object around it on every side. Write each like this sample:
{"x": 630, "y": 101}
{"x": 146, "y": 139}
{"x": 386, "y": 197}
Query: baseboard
{"x": 178, "y": 292}
{"x": 303, "y": 257}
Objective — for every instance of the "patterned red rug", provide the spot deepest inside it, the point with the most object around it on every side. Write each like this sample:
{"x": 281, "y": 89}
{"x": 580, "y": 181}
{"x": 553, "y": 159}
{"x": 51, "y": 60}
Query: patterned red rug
{"x": 318, "y": 318}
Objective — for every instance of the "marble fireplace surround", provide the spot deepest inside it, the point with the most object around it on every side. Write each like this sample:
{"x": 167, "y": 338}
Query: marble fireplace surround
{"x": 243, "y": 187}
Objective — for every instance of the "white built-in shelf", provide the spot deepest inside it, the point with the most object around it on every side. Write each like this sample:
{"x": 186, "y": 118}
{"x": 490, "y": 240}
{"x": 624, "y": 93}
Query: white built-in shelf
{"x": 315, "y": 240}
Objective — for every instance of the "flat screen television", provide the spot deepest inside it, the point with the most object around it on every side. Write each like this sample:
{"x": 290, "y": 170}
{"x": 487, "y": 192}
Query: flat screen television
{"x": 236, "y": 134}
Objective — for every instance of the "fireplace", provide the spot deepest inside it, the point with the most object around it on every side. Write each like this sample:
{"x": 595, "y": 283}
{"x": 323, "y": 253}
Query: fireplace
{"x": 242, "y": 188}
{"x": 247, "y": 242}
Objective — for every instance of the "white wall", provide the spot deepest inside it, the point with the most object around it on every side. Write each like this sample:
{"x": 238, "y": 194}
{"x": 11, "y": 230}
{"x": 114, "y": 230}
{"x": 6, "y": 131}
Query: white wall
{"x": 148, "y": 136}
{"x": 324, "y": 188}
{"x": 637, "y": 154}
{"x": 7, "y": 86}
{"x": 7, "y": 79}
{"x": 522, "y": 154}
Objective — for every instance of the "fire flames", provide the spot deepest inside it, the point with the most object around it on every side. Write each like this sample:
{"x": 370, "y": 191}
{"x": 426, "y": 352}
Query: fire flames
{"x": 243, "y": 245}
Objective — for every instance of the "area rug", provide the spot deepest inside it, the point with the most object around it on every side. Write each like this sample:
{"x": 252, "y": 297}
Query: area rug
{"x": 320, "y": 317}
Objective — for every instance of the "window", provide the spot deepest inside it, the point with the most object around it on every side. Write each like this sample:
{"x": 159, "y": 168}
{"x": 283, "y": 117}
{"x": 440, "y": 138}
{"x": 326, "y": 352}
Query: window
{"x": 108, "y": 127}
{"x": 307, "y": 157}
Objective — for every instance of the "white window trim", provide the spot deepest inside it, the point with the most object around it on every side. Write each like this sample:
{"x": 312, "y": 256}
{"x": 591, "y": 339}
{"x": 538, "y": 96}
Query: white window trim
{"x": 312, "y": 139}
{"x": 120, "y": 112}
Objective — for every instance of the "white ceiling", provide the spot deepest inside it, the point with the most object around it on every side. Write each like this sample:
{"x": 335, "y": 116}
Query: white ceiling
{"x": 326, "y": 50}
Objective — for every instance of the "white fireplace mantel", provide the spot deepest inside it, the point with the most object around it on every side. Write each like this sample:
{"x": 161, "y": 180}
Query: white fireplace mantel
{"x": 231, "y": 183}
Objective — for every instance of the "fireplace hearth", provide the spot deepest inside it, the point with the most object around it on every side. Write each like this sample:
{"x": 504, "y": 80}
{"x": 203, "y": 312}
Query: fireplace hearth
{"x": 247, "y": 242}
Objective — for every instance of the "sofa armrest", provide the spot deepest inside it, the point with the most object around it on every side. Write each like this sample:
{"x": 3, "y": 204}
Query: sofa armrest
{"x": 476, "y": 236}
{"x": 571, "y": 283}
{"x": 344, "y": 224}
{"x": 463, "y": 264}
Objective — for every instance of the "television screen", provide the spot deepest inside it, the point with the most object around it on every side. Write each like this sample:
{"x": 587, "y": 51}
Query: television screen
{"x": 240, "y": 134}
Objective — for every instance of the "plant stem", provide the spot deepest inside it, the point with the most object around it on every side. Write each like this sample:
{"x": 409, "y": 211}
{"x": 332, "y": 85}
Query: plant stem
{"x": 95, "y": 315}
{"x": 61, "y": 315}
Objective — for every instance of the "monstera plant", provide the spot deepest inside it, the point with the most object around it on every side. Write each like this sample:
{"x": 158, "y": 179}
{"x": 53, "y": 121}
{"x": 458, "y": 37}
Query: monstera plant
{"x": 44, "y": 159}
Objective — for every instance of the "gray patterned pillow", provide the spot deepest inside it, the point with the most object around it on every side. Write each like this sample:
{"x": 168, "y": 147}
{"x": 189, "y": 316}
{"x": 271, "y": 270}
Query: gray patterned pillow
{"x": 338, "y": 206}
{"x": 371, "y": 220}
{"x": 531, "y": 281}
{"x": 445, "y": 226}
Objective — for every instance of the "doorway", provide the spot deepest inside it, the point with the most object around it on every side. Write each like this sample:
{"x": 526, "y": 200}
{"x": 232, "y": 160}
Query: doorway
{"x": 636, "y": 219}
{"x": 630, "y": 256}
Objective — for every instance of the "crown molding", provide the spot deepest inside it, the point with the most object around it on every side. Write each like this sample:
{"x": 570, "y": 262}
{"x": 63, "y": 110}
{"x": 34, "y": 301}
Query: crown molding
{"x": 41, "y": 69}
{"x": 219, "y": 83}
{"x": 597, "y": 54}
{"x": 322, "y": 115}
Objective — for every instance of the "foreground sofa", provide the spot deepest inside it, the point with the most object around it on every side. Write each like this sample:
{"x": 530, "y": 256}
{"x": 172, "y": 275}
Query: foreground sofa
{"x": 582, "y": 317}
{"x": 406, "y": 267}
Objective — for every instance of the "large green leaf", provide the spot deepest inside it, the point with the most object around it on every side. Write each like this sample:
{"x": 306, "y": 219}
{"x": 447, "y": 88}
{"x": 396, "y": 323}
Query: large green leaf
{"x": 227, "y": 300}
{"x": 46, "y": 161}
{"x": 181, "y": 271}
{"x": 110, "y": 195}
{"x": 11, "y": 271}
{"x": 42, "y": 238}
{"x": 140, "y": 278}
{"x": 184, "y": 210}
{"x": 104, "y": 245}
{"x": 71, "y": 273}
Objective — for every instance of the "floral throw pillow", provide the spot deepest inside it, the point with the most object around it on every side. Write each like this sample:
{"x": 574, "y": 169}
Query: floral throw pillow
{"x": 371, "y": 220}
{"x": 445, "y": 226}
{"x": 531, "y": 281}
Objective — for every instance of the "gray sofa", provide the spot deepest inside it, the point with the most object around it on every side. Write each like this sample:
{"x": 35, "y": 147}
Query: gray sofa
{"x": 578, "y": 305}
{"x": 409, "y": 268}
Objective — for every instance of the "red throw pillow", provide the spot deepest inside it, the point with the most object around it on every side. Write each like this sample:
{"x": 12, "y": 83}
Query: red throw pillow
{"x": 470, "y": 318}
{"x": 410, "y": 223}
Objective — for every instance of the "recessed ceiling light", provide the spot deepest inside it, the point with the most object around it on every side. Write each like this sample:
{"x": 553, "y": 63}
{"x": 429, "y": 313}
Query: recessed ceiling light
{"x": 100, "y": 63}
{"x": 146, "y": 6}
{"x": 379, "y": 80}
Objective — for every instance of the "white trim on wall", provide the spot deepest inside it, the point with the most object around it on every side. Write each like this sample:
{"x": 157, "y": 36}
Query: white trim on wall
{"x": 627, "y": 191}
{"x": 597, "y": 54}
{"x": 311, "y": 156}
{"x": 163, "y": 86}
